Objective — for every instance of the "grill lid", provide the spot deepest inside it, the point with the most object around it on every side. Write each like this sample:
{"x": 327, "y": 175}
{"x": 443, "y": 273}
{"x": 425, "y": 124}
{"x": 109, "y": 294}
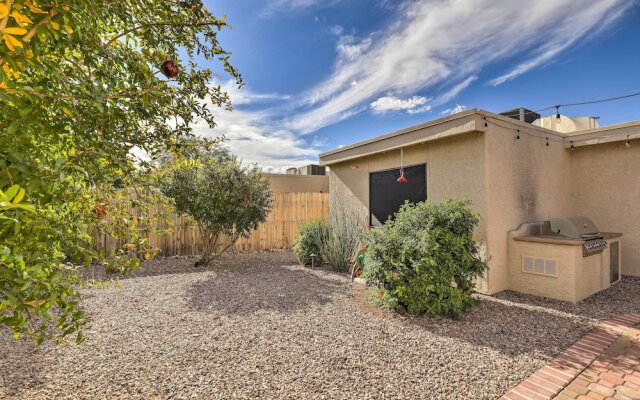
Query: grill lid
{"x": 574, "y": 228}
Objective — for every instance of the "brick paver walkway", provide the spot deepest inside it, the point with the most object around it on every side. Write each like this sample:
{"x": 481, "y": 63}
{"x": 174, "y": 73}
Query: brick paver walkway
{"x": 615, "y": 374}
{"x": 603, "y": 364}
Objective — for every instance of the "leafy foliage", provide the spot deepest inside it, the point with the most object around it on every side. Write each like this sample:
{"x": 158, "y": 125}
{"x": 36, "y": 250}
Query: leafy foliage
{"x": 341, "y": 240}
{"x": 425, "y": 261}
{"x": 223, "y": 197}
{"x": 309, "y": 242}
{"x": 80, "y": 88}
{"x": 335, "y": 241}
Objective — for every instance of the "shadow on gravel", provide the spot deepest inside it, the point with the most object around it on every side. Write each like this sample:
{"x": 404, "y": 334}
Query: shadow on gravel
{"x": 185, "y": 265}
{"x": 516, "y": 324}
{"x": 250, "y": 289}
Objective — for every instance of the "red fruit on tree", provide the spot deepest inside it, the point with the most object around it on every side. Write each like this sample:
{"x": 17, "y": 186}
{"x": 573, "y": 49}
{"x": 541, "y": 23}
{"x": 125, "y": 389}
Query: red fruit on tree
{"x": 169, "y": 69}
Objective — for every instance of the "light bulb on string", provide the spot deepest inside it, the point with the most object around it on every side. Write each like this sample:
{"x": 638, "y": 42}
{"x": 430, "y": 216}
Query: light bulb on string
{"x": 517, "y": 134}
{"x": 547, "y": 142}
{"x": 572, "y": 147}
{"x": 558, "y": 117}
{"x": 628, "y": 144}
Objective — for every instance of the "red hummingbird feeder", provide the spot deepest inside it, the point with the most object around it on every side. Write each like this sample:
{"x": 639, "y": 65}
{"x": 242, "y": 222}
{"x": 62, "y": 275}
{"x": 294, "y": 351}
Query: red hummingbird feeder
{"x": 402, "y": 178}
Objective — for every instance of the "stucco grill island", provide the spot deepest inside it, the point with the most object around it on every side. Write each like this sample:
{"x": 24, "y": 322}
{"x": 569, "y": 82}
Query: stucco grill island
{"x": 568, "y": 257}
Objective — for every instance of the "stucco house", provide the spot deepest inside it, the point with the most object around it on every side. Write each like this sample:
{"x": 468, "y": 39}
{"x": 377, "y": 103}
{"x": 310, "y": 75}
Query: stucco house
{"x": 519, "y": 172}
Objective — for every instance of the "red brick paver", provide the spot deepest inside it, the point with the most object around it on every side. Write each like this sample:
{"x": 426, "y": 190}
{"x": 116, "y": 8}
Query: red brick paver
{"x": 603, "y": 364}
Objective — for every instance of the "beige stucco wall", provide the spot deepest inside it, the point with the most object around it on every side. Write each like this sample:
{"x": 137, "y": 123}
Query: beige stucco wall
{"x": 455, "y": 168}
{"x": 298, "y": 183}
{"x": 605, "y": 185}
{"x": 508, "y": 182}
{"x": 527, "y": 181}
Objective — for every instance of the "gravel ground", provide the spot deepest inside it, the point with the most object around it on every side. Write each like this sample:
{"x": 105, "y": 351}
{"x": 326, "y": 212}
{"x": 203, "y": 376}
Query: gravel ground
{"x": 259, "y": 326}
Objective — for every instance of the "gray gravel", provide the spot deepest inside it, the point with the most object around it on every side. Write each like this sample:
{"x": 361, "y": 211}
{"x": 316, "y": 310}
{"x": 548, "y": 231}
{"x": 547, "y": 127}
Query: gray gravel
{"x": 259, "y": 326}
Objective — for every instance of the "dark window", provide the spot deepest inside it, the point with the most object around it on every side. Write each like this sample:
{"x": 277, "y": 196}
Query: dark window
{"x": 386, "y": 195}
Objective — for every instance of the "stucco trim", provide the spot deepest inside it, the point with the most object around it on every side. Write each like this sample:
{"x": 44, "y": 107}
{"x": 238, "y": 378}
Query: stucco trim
{"x": 473, "y": 121}
{"x": 402, "y": 131}
{"x": 604, "y": 134}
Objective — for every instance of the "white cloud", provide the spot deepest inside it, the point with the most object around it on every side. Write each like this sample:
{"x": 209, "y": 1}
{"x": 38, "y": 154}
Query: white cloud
{"x": 455, "y": 90}
{"x": 433, "y": 44}
{"x": 349, "y": 47}
{"x": 256, "y": 137}
{"x": 245, "y": 95}
{"x": 573, "y": 28}
{"x": 454, "y": 110}
{"x": 412, "y": 105}
{"x": 336, "y": 30}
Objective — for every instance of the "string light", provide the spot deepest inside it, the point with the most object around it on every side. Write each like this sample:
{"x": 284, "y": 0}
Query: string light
{"x": 485, "y": 122}
{"x": 572, "y": 146}
{"x": 548, "y": 139}
{"x": 557, "y": 113}
{"x": 626, "y": 96}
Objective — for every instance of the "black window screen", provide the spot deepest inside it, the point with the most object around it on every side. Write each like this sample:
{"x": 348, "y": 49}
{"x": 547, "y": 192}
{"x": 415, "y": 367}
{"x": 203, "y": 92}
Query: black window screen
{"x": 386, "y": 195}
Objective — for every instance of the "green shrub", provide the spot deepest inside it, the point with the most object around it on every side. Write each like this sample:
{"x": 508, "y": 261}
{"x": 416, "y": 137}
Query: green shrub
{"x": 310, "y": 241}
{"x": 340, "y": 242}
{"x": 425, "y": 261}
{"x": 224, "y": 197}
{"x": 335, "y": 241}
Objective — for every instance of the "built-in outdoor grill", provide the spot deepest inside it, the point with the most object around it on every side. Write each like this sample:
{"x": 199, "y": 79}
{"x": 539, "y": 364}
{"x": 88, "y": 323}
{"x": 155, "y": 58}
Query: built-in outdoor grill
{"x": 578, "y": 228}
{"x": 563, "y": 258}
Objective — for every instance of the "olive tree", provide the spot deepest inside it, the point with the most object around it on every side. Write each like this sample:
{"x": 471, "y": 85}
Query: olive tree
{"x": 225, "y": 199}
{"x": 82, "y": 84}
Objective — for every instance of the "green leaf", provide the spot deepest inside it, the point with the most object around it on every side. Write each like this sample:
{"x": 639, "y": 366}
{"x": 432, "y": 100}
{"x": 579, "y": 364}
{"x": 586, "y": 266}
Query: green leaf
{"x": 11, "y": 192}
{"x": 18, "y": 198}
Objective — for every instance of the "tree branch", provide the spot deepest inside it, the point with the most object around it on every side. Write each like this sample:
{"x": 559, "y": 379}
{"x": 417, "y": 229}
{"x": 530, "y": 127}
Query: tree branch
{"x": 34, "y": 28}
{"x": 5, "y": 20}
{"x": 143, "y": 26}
{"x": 43, "y": 21}
{"x": 120, "y": 95}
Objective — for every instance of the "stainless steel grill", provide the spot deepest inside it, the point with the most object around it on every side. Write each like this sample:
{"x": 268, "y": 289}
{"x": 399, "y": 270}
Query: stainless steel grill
{"x": 578, "y": 228}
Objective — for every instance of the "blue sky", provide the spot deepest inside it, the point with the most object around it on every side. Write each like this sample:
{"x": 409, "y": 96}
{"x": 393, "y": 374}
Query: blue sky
{"x": 325, "y": 73}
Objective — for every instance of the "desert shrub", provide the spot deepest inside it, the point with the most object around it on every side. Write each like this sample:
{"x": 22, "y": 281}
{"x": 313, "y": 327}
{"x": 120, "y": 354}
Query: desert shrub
{"x": 224, "y": 197}
{"x": 310, "y": 242}
{"x": 335, "y": 241}
{"x": 340, "y": 241}
{"x": 425, "y": 261}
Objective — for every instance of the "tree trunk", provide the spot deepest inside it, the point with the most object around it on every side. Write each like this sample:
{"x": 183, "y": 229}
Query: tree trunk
{"x": 210, "y": 242}
{"x": 208, "y": 252}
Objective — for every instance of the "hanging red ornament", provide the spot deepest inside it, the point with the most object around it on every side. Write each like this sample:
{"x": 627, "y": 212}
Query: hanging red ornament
{"x": 169, "y": 69}
{"x": 402, "y": 178}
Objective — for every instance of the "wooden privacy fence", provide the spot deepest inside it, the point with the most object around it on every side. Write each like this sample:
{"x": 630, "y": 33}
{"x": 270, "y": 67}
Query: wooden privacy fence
{"x": 290, "y": 210}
